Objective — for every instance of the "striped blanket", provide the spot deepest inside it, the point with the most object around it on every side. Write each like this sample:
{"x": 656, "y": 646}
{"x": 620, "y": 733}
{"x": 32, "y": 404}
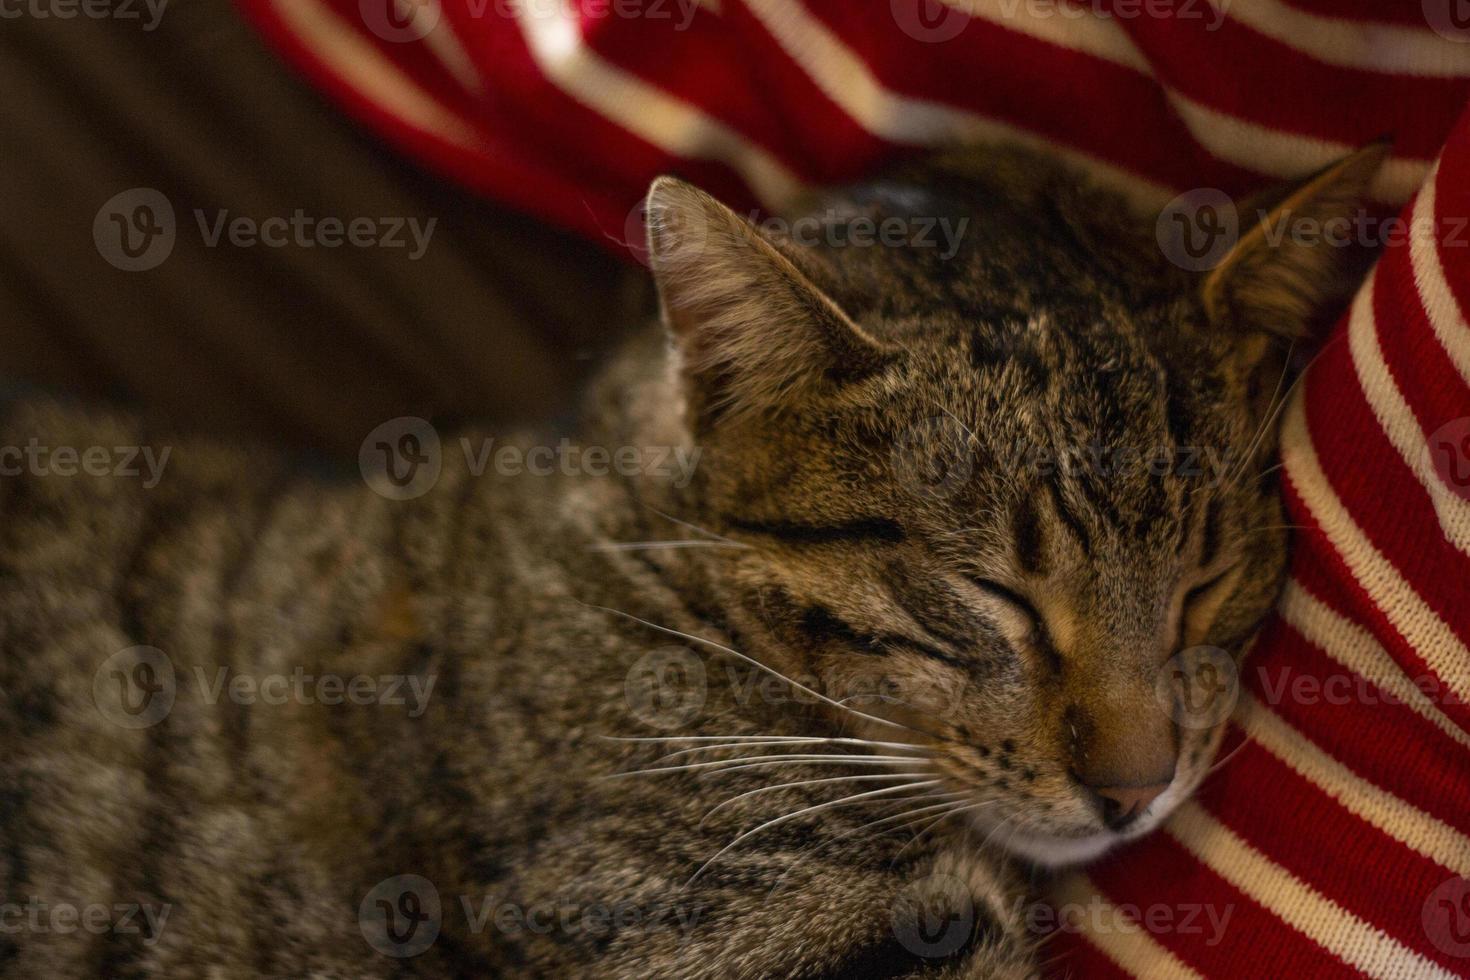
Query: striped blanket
{"x": 1334, "y": 837}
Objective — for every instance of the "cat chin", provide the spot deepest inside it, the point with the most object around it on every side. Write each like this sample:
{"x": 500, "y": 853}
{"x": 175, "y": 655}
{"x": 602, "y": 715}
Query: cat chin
{"x": 1062, "y": 852}
{"x": 1052, "y": 851}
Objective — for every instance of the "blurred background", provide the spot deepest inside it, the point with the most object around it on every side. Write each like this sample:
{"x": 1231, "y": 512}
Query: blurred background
{"x": 497, "y": 317}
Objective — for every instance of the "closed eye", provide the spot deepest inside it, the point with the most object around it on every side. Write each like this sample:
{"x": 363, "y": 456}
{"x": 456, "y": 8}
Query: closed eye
{"x": 1040, "y": 636}
{"x": 1204, "y": 588}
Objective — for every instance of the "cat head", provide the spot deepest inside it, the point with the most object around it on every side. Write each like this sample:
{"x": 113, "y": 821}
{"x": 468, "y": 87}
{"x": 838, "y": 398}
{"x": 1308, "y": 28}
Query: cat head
{"x": 1010, "y": 491}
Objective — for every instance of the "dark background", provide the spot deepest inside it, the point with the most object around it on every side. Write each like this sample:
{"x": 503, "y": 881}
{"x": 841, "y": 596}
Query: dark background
{"x": 307, "y": 347}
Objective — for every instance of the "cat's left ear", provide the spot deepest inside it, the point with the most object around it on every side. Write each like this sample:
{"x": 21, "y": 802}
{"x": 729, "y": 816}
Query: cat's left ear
{"x": 1294, "y": 260}
{"x": 755, "y": 333}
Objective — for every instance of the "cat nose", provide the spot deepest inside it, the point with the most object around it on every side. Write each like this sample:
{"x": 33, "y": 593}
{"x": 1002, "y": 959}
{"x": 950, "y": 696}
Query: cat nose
{"x": 1122, "y": 805}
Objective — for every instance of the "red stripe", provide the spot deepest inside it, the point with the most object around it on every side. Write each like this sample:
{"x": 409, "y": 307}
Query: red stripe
{"x": 1319, "y": 567}
{"x": 1067, "y": 955}
{"x": 1407, "y": 13}
{"x": 1385, "y": 883}
{"x": 1373, "y": 482}
{"x": 1451, "y": 208}
{"x": 1292, "y": 92}
{"x": 1071, "y": 98}
{"x": 1158, "y": 871}
{"x": 1426, "y": 378}
{"x": 1376, "y": 736}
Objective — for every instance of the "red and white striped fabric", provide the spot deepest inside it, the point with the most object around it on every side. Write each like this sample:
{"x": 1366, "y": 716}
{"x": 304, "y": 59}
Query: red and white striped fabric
{"x": 1335, "y": 841}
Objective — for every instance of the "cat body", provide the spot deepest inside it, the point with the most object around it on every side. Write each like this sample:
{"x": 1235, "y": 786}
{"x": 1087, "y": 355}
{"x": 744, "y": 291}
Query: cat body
{"x": 801, "y": 712}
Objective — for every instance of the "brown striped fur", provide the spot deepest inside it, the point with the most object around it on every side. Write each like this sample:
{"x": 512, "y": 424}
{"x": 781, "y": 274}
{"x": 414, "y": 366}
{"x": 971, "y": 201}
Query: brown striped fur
{"x": 822, "y": 385}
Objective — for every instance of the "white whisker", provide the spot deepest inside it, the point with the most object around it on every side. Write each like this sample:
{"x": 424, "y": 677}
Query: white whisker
{"x": 903, "y": 815}
{"x": 746, "y": 762}
{"x": 757, "y": 664}
{"x": 816, "y": 808}
{"x": 663, "y": 545}
{"x": 808, "y": 782}
{"x": 901, "y": 746}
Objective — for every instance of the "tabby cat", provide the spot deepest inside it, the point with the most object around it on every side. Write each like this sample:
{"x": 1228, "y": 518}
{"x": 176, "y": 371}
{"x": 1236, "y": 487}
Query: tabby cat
{"x": 910, "y": 629}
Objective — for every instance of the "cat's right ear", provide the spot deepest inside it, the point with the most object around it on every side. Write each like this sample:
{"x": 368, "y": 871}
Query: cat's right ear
{"x": 756, "y": 335}
{"x": 1286, "y": 271}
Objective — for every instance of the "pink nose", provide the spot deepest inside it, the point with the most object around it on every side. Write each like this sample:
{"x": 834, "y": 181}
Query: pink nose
{"x": 1121, "y": 805}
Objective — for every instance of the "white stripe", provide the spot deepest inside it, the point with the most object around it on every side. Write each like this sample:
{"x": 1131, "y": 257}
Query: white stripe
{"x": 1354, "y": 647}
{"x": 1075, "y": 29}
{"x": 1398, "y": 421}
{"x": 1124, "y": 941}
{"x": 1246, "y": 144}
{"x": 343, "y": 51}
{"x": 1396, "y": 818}
{"x": 442, "y": 41}
{"x": 1344, "y": 935}
{"x": 1434, "y": 642}
{"x": 1445, "y": 316}
{"x": 1282, "y": 154}
{"x": 1386, "y": 48}
{"x": 846, "y": 80}
{"x": 677, "y": 127}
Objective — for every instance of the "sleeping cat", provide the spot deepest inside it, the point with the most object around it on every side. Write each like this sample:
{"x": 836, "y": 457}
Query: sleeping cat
{"x": 926, "y": 613}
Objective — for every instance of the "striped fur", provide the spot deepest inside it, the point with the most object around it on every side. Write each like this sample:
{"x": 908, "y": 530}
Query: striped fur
{"x": 995, "y": 623}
